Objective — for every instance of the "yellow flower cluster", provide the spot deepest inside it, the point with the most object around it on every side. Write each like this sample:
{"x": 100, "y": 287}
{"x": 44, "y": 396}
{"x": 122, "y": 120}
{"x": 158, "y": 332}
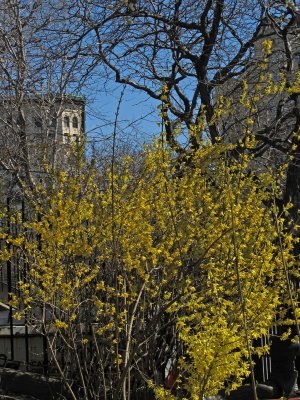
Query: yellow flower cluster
{"x": 116, "y": 257}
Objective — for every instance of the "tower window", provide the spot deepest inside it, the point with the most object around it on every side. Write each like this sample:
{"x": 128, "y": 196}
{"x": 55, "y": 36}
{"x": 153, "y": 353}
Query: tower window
{"x": 75, "y": 122}
{"x": 66, "y": 121}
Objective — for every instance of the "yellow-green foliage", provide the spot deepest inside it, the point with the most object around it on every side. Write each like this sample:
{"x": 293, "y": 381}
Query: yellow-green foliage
{"x": 120, "y": 252}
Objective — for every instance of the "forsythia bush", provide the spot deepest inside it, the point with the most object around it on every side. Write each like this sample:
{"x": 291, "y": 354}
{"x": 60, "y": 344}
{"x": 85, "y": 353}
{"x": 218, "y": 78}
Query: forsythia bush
{"x": 152, "y": 269}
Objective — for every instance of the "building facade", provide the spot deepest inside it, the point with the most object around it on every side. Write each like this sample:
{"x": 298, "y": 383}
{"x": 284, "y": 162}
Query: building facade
{"x": 37, "y": 136}
{"x": 39, "y": 130}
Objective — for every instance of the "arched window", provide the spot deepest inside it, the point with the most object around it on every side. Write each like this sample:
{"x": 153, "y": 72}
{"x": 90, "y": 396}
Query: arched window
{"x": 75, "y": 122}
{"x": 66, "y": 121}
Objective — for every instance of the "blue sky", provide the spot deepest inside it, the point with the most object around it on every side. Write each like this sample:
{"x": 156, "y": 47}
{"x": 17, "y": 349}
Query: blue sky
{"x": 137, "y": 121}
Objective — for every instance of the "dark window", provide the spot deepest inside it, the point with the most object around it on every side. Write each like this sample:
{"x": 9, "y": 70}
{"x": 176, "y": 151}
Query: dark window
{"x": 76, "y": 138}
{"x": 66, "y": 122}
{"x": 38, "y": 122}
{"x": 20, "y": 120}
{"x": 51, "y": 136}
{"x": 75, "y": 122}
{"x": 52, "y": 122}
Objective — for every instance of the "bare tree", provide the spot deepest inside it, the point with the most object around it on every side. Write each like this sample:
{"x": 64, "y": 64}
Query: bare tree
{"x": 188, "y": 47}
{"x": 184, "y": 53}
{"x": 36, "y": 80}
